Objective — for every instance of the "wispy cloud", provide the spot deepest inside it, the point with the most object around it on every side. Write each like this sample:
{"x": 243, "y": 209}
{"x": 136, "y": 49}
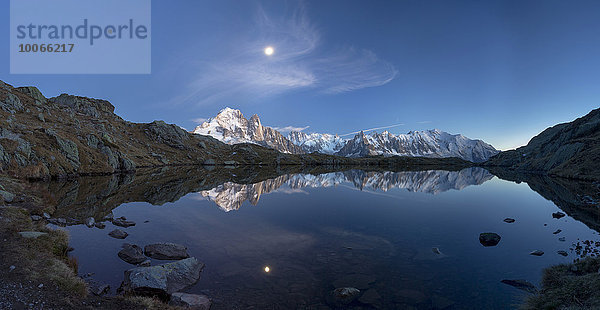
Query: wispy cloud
{"x": 300, "y": 61}
{"x": 371, "y": 129}
{"x": 199, "y": 120}
{"x": 290, "y": 128}
{"x": 424, "y": 122}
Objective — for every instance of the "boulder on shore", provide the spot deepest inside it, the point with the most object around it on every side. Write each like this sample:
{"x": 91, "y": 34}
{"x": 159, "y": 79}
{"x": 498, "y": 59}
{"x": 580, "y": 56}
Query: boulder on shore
{"x": 162, "y": 280}
{"x": 190, "y": 301}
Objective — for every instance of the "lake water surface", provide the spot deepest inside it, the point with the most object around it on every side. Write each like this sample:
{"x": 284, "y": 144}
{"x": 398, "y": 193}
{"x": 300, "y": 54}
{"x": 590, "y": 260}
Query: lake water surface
{"x": 407, "y": 240}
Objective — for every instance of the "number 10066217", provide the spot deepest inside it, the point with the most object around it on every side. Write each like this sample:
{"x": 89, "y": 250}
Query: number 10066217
{"x": 46, "y": 48}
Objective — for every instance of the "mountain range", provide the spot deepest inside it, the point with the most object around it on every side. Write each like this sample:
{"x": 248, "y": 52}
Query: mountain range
{"x": 230, "y": 126}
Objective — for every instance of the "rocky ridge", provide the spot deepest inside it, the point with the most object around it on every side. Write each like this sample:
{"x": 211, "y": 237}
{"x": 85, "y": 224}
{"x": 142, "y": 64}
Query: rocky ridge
{"x": 570, "y": 150}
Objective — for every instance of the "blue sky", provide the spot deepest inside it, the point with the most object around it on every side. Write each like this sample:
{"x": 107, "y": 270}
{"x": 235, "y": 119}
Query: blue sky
{"x": 501, "y": 71}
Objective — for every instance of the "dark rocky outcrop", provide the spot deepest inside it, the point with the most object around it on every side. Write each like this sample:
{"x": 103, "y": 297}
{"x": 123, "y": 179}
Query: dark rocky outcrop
{"x": 570, "y": 150}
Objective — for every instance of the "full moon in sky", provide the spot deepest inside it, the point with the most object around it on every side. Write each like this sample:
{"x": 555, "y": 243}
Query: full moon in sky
{"x": 269, "y": 51}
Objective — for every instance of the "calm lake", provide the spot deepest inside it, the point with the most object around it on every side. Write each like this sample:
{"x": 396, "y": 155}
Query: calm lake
{"x": 407, "y": 240}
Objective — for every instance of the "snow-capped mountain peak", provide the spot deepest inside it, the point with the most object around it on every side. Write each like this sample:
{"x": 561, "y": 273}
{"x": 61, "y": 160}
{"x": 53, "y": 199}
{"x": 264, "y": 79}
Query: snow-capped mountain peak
{"x": 316, "y": 142}
{"x": 230, "y": 126}
{"x": 427, "y": 143}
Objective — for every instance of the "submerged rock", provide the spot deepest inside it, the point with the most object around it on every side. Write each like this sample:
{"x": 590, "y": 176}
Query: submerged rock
{"x": 166, "y": 250}
{"x": 537, "y": 253}
{"x": 370, "y": 297}
{"x": 509, "y": 220}
{"x": 522, "y": 285}
{"x": 489, "y": 239}
{"x": 162, "y": 280}
{"x": 344, "y": 295}
{"x": 360, "y": 281}
{"x": 563, "y": 253}
{"x": 191, "y": 301}
{"x": 441, "y": 302}
{"x": 123, "y": 222}
{"x": 132, "y": 254}
{"x": 118, "y": 234}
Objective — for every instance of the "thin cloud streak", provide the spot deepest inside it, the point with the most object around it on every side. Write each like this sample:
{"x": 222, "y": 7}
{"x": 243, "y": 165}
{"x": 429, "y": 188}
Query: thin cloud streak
{"x": 199, "y": 120}
{"x": 371, "y": 129}
{"x": 290, "y": 128}
{"x": 299, "y": 61}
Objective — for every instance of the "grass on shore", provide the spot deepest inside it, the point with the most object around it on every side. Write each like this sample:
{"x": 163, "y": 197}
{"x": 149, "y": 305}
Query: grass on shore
{"x": 44, "y": 258}
{"x": 569, "y": 287}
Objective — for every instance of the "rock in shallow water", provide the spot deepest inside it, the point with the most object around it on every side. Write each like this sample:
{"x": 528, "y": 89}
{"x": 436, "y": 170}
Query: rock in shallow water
{"x": 162, "y": 280}
{"x": 360, "y": 281}
{"x": 489, "y": 239}
{"x": 370, "y": 297}
{"x": 522, "y": 285}
{"x": 537, "y": 253}
{"x": 118, "y": 234}
{"x": 344, "y": 295}
{"x": 89, "y": 222}
{"x": 132, "y": 254}
{"x": 558, "y": 215}
{"x": 509, "y": 220}
{"x": 123, "y": 222}
{"x": 190, "y": 301}
{"x": 166, "y": 250}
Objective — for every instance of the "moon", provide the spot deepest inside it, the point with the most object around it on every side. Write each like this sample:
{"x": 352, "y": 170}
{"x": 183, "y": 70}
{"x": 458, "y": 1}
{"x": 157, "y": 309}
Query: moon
{"x": 269, "y": 50}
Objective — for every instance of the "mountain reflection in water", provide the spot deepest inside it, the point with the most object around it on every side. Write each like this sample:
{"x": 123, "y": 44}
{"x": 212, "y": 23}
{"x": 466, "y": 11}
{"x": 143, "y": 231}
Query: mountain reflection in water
{"x": 230, "y": 196}
{"x": 401, "y": 249}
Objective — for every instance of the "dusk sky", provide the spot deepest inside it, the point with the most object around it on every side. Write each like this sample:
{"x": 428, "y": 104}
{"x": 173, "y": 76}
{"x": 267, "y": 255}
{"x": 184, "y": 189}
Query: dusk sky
{"x": 501, "y": 71}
